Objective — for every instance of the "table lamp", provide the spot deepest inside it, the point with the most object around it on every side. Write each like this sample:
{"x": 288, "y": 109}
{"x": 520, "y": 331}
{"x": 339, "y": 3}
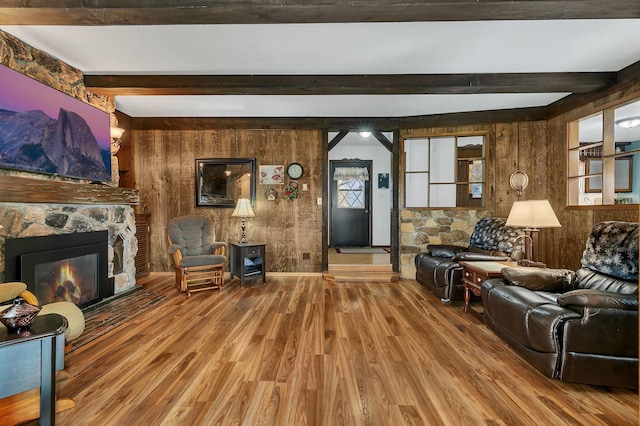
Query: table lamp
{"x": 243, "y": 211}
{"x": 532, "y": 215}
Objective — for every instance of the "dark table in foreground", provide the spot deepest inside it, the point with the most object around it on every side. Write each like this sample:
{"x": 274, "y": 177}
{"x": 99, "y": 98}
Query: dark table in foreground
{"x": 30, "y": 360}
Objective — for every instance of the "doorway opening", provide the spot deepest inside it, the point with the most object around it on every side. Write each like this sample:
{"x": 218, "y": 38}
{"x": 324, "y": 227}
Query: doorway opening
{"x": 359, "y": 200}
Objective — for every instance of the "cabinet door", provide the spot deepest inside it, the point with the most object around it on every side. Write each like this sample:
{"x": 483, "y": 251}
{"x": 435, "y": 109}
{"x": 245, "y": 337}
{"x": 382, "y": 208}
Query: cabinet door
{"x": 142, "y": 258}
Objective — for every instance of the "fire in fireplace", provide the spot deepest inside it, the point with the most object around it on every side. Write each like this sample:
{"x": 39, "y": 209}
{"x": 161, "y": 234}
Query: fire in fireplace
{"x": 69, "y": 267}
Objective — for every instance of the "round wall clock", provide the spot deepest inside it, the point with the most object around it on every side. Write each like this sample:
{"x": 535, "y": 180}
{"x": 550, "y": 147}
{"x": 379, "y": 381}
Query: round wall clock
{"x": 295, "y": 170}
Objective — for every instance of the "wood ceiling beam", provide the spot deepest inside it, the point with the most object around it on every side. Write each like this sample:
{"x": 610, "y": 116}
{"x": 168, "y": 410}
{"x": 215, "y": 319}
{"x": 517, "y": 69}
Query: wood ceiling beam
{"x": 342, "y": 123}
{"x": 626, "y": 77}
{"x": 179, "y": 12}
{"x": 378, "y": 84}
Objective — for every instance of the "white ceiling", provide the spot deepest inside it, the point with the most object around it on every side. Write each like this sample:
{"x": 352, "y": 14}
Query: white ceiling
{"x": 354, "y": 48}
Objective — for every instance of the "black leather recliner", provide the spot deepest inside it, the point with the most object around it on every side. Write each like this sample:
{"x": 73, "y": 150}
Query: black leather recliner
{"x": 575, "y": 326}
{"x": 438, "y": 269}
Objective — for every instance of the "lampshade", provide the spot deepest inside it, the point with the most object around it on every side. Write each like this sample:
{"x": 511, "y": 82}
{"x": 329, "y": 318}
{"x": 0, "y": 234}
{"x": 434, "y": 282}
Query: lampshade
{"x": 243, "y": 208}
{"x": 532, "y": 214}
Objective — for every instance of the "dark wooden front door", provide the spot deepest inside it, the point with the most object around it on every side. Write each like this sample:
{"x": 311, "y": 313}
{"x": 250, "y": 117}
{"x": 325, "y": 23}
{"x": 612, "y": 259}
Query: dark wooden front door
{"x": 350, "y": 213}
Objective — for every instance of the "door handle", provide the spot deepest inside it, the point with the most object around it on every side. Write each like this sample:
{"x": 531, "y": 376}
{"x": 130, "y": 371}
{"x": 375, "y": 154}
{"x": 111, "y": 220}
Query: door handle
{"x": 366, "y": 212}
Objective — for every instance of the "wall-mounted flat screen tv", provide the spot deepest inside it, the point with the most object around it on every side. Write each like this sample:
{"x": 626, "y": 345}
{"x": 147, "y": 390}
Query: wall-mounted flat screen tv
{"x": 46, "y": 131}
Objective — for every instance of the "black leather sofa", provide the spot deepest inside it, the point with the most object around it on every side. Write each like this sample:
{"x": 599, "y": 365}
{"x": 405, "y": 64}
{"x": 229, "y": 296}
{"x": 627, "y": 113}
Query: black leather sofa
{"x": 438, "y": 269}
{"x": 577, "y": 326}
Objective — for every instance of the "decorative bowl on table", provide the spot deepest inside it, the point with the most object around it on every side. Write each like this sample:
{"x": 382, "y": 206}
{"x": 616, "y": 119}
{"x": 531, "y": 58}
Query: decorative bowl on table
{"x": 19, "y": 316}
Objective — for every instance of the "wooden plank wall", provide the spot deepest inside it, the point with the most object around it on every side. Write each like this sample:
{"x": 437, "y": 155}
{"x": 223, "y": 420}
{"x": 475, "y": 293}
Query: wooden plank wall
{"x": 163, "y": 169}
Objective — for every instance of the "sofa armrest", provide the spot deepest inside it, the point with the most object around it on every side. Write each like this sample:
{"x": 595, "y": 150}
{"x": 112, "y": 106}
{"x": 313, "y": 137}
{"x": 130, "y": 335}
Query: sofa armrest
{"x": 444, "y": 250}
{"x": 479, "y": 257}
{"x": 608, "y": 324}
{"x": 539, "y": 279}
{"x": 599, "y": 299}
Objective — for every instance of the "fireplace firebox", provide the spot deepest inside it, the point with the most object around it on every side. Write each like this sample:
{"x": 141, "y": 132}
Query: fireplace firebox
{"x": 67, "y": 267}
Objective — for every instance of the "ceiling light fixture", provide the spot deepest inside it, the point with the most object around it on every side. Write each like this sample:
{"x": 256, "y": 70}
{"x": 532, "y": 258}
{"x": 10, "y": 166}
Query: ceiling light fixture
{"x": 364, "y": 134}
{"x": 629, "y": 122}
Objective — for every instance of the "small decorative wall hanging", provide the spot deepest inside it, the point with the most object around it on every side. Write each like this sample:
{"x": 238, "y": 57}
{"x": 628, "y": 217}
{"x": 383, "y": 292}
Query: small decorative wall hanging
{"x": 291, "y": 191}
{"x": 519, "y": 181}
{"x": 383, "y": 180}
{"x": 270, "y": 175}
{"x": 271, "y": 194}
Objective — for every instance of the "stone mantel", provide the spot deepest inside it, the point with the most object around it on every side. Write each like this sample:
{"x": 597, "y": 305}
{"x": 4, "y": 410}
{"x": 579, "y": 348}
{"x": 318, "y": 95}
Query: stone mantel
{"x": 15, "y": 189}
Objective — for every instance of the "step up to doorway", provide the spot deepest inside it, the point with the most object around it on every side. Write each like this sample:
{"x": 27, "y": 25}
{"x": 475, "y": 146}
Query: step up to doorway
{"x": 361, "y": 273}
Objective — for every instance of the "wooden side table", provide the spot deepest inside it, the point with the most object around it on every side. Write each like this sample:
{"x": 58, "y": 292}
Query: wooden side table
{"x": 248, "y": 261}
{"x": 475, "y": 273}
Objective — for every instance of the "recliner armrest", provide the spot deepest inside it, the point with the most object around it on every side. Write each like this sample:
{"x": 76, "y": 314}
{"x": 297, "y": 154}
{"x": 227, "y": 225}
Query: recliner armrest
{"x": 216, "y": 245}
{"x": 599, "y": 299}
{"x": 174, "y": 248}
{"x": 540, "y": 279}
{"x": 444, "y": 250}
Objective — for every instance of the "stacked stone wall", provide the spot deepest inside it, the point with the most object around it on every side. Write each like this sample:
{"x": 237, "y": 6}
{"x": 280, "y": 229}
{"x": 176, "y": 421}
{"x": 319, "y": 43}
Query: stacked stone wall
{"x": 419, "y": 228}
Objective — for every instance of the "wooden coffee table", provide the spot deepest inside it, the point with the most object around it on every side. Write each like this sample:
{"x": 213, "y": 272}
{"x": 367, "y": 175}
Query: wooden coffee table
{"x": 475, "y": 273}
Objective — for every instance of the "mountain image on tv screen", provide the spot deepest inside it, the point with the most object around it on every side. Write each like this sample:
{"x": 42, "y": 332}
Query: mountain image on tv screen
{"x": 43, "y": 130}
{"x": 65, "y": 146}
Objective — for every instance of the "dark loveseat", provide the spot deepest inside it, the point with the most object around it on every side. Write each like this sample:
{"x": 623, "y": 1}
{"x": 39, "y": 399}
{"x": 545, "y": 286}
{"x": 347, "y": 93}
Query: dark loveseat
{"x": 438, "y": 268}
{"x": 577, "y": 326}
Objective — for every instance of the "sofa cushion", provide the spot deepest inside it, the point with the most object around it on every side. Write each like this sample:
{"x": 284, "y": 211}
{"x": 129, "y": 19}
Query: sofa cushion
{"x": 588, "y": 279}
{"x": 444, "y": 250}
{"x": 553, "y": 280}
{"x": 612, "y": 249}
{"x": 599, "y": 299}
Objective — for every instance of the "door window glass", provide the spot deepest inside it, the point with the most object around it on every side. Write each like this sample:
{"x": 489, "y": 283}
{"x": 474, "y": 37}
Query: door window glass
{"x": 350, "y": 193}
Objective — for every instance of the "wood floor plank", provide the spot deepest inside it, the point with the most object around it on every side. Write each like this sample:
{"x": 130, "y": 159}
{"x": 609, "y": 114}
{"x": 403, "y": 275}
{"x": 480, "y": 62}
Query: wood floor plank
{"x": 303, "y": 351}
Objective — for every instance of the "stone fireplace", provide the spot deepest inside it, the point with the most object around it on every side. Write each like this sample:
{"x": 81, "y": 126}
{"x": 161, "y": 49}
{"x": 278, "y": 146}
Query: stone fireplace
{"x": 114, "y": 223}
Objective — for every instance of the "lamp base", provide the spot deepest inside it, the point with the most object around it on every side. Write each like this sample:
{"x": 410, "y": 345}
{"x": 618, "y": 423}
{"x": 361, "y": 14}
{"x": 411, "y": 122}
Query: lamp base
{"x": 243, "y": 227}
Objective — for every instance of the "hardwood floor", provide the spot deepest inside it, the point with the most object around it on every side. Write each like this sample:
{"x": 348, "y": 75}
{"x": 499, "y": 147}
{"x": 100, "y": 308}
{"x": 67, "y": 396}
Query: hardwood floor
{"x": 303, "y": 351}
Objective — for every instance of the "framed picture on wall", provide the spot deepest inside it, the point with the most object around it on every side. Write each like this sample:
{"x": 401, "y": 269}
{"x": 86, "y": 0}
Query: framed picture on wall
{"x": 271, "y": 175}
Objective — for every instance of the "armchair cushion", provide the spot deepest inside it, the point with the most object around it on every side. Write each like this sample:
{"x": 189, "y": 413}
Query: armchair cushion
{"x": 202, "y": 260}
{"x": 539, "y": 279}
{"x": 194, "y": 233}
{"x": 599, "y": 299}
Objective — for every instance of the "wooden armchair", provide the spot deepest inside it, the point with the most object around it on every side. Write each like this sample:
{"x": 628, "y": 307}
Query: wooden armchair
{"x": 198, "y": 259}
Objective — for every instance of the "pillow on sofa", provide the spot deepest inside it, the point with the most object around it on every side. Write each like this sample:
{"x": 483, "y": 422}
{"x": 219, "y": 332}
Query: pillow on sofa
{"x": 539, "y": 279}
{"x": 9, "y": 291}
